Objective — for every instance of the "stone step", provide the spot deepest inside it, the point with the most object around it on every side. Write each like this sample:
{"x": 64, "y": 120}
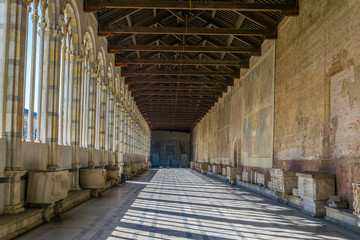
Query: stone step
{"x": 14, "y": 225}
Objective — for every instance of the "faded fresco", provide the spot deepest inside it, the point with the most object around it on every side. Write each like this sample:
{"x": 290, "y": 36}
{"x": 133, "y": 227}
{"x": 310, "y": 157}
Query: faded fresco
{"x": 258, "y": 85}
{"x": 258, "y": 114}
{"x": 345, "y": 114}
{"x": 258, "y": 134}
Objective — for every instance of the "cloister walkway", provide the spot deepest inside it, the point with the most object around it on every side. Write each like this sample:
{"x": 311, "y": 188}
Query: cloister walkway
{"x": 184, "y": 204}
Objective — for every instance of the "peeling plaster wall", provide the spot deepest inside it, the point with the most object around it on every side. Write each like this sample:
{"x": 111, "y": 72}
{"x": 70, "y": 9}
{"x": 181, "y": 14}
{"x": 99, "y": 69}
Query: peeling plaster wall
{"x": 239, "y": 128}
{"x": 170, "y": 149}
{"x": 316, "y": 98}
{"x": 317, "y": 91}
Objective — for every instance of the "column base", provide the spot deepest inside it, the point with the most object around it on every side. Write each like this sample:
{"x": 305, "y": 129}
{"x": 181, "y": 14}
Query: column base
{"x": 12, "y": 196}
{"x": 14, "y": 209}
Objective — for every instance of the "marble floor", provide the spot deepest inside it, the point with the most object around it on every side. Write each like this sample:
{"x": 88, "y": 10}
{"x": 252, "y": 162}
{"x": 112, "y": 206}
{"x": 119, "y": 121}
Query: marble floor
{"x": 184, "y": 204}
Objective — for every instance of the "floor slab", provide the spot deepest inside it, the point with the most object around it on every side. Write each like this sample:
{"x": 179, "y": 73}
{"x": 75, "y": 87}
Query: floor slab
{"x": 184, "y": 204}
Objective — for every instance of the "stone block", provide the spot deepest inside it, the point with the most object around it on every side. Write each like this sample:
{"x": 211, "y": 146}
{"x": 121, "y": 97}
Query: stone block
{"x": 337, "y": 202}
{"x": 112, "y": 173}
{"x": 245, "y": 176}
{"x": 316, "y": 186}
{"x": 253, "y": 177}
{"x": 192, "y": 165}
{"x": 342, "y": 217}
{"x": 232, "y": 172}
{"x": 216, "y": 169}
{"x": 315, "y": 189}
{"x": 223, "y": 171}
{"x": 315, "y": 208}
{"x": 204, "y": 166}
{"x": 295, "y": 192}
{"x": 262, "y": 179}
{"x": 283, "y": 181}
{"x": 92, "y": 178}
{"x": 47, "y": 187}
{"x": 296, "y": 202}
{"x": 356, "y": 203}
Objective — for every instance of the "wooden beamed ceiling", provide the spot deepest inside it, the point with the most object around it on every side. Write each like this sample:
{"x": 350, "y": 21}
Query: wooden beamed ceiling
{"x": 179, "y": 57}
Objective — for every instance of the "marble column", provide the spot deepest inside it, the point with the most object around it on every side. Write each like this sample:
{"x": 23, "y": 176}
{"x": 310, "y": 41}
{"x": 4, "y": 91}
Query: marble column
{"x": 34, "y": 18}
{"x": 110, "y": 128}
{"x": 62, "y": 81}
{"x": 42, "y": 26}
{"x": 103, "y": 96}
{"x": 91, "y": 119}
{"x": 66, "y": 94}
{"x": 75, "y": 119}
{"x": 12, "y": 83}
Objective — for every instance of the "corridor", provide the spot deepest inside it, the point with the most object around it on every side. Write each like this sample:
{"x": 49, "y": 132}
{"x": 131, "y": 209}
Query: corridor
{"x": 184, "y": 204}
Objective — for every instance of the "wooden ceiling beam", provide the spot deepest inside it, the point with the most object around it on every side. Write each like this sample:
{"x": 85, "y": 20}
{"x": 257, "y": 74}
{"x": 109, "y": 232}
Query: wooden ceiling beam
{"x": 194, "y": 100}
{"x": 242, "y": 63}
{"x": 173, "y": 93}
{"x": 127, "y": 73}
{"x": 285, "y": 8}
{"x": 198, "y": 87}
{"x": 109, "y": 30}
{"x": 164, "y": 48}
{"x": 133, "y": 80}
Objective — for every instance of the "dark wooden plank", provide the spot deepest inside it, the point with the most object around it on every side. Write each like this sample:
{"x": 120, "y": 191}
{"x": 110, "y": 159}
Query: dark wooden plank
{"x": 164, "y": 48}
{"x": 242, "y": 63}
{"x": 127, "y": 73}
{"x": 109, "y": 30}
{"x": 94, "y": 5}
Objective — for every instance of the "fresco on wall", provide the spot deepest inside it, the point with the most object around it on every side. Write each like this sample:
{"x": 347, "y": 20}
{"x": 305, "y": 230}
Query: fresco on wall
{"x": 258, "y": 85}
{"x": 345, "y": 114}
{"x": 258, "y": 113}
{"x": 258, "y": 134}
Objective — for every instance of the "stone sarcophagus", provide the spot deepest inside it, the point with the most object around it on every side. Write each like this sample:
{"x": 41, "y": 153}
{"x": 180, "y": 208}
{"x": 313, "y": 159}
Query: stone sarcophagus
{"x": 282, "y": 181}
{"x": 92, "y": 178}
{"x": 245, "y": 176}
{"x": 192, "y": 165}
{"x": 315, "y": 189}
{"x": 112, "y": 173}
{"x": 262, "y": 179}
{"x": 47, "y": 187}
{"x": 204, "y": 167}
{"x": 216, "y": 169}
{"x": 232, "y": 172}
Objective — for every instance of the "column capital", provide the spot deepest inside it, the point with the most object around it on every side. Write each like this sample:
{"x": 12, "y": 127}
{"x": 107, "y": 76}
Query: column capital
{"x": 42, "y": 25}
{"x": 35, "y": 16}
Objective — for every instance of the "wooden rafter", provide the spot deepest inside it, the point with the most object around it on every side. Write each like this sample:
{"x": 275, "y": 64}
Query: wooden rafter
{"x": 163, "y": 48}
{"x": 95, "y": 5}
{"x": 109, "y": 30}
{"x": 151, "y": 61}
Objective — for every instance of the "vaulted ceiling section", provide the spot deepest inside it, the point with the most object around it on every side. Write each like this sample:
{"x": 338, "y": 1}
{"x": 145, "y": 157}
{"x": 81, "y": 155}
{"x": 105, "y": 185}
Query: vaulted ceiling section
{"x": 178, "y": 57}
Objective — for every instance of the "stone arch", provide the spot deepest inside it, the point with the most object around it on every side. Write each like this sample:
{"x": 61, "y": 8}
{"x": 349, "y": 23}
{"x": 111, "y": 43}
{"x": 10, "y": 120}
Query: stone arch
{"x": 52, "y": 14}
{"x": 236, "y": 153}
{"x": 101, "y": 66}
{"x": 89, "y": 51}
{"x": 75, "y": 26}
{"x": 117, "y": 86}
{"x": 110, "y": 77}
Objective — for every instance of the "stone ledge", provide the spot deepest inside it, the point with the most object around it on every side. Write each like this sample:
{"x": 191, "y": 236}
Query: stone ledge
{"x": 344, "y": 218}
{"x": 75, "y": 198}
{"x": 107, "y": 186}
{"x": 267, "y": 192}
{"x": 14, "y": 225}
